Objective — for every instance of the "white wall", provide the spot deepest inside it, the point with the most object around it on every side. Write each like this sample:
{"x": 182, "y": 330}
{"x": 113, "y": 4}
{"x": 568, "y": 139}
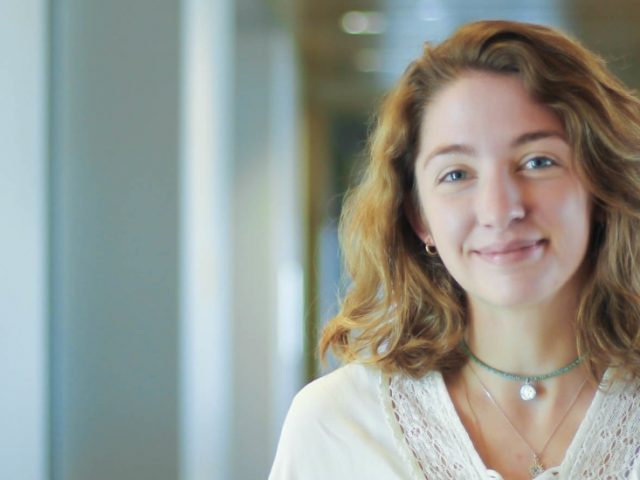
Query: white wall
{"x": 23, "y": 252}
{"x": 151, "y": 313}
{"x": 176, "y": 238}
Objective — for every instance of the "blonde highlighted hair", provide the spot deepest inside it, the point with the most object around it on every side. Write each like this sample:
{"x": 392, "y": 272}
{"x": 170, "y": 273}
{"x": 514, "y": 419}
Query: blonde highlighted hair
{"x": 403, "y": 310}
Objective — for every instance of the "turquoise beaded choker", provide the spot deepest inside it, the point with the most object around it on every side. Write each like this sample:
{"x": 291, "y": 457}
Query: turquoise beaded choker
{"x": 527, "y": 389}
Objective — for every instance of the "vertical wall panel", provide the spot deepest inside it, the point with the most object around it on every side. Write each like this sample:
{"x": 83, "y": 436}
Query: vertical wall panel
{"x": 115, "y": 242}
{"x": 206, "y": 250}
{"x": 23, "y": 244}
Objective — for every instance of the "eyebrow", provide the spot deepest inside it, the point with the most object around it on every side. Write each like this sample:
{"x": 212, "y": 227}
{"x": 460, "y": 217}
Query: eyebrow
{"x": 449, "y": 149}
{"x": 518, "y": 142}
{"x": 539, "y": 135}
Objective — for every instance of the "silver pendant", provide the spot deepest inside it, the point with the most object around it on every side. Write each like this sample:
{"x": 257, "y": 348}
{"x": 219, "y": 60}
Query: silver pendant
{"x": 528, "y": 391}
{"x": 536, "y": 467}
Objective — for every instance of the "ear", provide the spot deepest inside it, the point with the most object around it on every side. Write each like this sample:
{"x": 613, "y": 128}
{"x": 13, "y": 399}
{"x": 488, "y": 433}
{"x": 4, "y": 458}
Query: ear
{"x": 417, "y": 222}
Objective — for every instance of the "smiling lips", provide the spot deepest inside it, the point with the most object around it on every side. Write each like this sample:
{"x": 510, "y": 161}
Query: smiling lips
{"x": 511, "y": 252}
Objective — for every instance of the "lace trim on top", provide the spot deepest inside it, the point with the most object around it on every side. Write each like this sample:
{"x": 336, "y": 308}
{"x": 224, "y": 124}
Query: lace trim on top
{"x": 398, "y": 436}
{"x": 607, "y": 444}
{"x": 431, "y": 437}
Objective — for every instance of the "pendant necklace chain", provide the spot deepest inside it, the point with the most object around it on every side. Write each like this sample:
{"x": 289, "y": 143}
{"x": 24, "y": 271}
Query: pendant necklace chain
{"x": 536, "y": 467}
{"x": 528, "y": 389}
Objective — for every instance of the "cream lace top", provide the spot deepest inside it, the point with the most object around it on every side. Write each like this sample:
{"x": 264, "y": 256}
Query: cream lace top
{"x": 356, "y": 423}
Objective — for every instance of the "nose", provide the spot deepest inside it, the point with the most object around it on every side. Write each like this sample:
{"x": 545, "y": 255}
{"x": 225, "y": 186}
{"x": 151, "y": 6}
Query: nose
{"x": 499, "y": 201}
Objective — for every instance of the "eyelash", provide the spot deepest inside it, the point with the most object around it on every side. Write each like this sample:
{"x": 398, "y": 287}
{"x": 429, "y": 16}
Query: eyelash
{"x": 448, "y": 177}
{"x": 548, "y": 162}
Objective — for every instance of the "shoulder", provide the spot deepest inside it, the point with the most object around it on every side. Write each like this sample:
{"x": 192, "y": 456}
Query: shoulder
{"x": 610, "y": 430}
{"x": 333, "y": 421}
{"x": 622, "y": 418}
{"x": 346, "y": 395}
{"x": 621, "y": 385}
{"x": 343, "y": 389}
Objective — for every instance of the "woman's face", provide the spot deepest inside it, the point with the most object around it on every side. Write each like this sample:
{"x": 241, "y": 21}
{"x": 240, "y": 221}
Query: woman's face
{"x": 499, "y": 194}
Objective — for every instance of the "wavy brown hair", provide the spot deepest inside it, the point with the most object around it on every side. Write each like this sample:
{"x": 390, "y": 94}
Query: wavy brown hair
{"x": 403, "y": 310}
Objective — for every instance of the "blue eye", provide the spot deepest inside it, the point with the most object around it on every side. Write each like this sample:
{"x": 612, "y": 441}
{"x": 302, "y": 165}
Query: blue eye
{"x": 454, "y": 176}
{"x": 539, "y": 162}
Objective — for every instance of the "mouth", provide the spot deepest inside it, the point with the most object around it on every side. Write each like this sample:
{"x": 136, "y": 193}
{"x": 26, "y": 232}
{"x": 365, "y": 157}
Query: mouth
{"x": 512, "y": 252}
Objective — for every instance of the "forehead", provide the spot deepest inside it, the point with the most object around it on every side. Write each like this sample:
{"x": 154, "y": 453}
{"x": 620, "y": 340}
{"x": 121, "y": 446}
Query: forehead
{"x": 484, "y": 110}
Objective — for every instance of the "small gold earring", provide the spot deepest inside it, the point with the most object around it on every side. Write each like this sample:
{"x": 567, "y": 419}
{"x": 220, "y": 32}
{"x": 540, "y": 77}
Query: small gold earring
{"x": 432, "y": 251}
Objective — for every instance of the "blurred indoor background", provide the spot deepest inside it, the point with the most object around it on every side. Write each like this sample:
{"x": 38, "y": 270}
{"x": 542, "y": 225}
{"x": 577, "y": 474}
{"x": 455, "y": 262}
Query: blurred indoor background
{"x": 172, "y": 173}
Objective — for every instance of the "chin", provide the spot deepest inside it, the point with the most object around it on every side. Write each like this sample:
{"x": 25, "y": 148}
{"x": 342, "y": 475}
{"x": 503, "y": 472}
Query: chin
{"x": 513, "y": 296}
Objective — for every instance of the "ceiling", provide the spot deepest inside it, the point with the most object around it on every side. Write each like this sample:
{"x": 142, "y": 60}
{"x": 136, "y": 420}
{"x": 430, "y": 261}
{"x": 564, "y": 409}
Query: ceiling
{"x": 346, "y": 72}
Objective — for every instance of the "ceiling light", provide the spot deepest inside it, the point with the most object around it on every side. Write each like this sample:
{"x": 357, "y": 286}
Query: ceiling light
{"x": 363, "y": 23}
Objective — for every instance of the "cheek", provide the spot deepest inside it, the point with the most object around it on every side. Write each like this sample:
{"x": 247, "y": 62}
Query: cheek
{"x": 573, "y": 216}
{"x": 448, "y": 224}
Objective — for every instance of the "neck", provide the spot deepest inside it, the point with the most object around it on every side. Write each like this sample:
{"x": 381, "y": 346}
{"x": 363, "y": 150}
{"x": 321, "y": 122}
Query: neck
{"x": 529, "y": 340}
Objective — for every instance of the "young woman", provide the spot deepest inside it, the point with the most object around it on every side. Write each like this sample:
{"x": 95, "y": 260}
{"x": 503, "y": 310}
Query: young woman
{"x": 492, "y": 329}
